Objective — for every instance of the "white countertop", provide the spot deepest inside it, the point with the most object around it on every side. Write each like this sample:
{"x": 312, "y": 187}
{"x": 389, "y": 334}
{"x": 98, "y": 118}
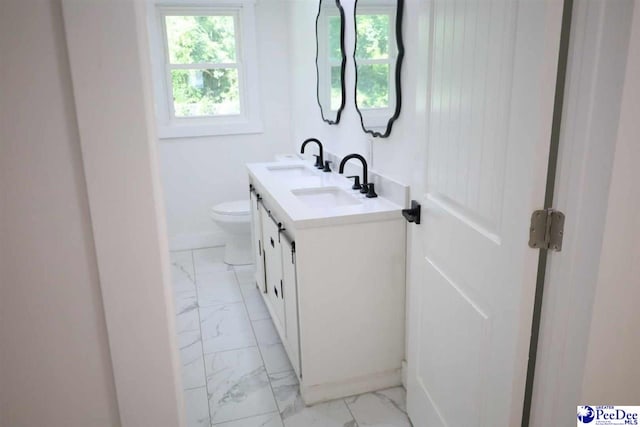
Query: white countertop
{"x": 304, "y": 215}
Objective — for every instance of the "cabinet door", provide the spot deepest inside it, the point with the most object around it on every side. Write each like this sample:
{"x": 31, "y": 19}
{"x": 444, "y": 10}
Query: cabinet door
{"x": 273, "y": 269}
{"x": 290, "y": 291}
{"x": 258, "y": 245}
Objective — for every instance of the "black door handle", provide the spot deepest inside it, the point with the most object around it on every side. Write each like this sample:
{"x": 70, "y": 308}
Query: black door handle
{"x": 412, "y": 214}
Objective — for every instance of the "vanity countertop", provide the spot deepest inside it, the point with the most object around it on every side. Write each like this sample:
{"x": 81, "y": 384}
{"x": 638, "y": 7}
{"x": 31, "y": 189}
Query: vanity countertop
{"x": 313, "y": 198}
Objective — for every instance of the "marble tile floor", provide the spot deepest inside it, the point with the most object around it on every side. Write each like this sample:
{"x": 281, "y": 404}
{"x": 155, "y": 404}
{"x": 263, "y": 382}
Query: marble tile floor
{"x": 235, "y": 371}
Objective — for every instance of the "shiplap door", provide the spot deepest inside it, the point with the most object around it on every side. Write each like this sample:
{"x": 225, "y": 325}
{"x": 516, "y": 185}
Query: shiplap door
{"x": 491, "y": 80}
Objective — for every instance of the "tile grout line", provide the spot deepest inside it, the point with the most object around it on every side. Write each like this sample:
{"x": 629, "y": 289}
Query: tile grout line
{"x": 282, "y": 372}
{"x": 389, "y": 400}
{"x": 204, "y": 367}
{"x": 246, "y": 418}
{"x": 193, "y": 388}
{"x": 177, "y": 251}
{"x": 230, "y": 349}
{"x": 273, "y": 394}
{"x": 344, "y": 400}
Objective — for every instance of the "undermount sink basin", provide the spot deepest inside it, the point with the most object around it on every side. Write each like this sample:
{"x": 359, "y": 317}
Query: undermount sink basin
{"x": 290, "y": 171}
{"x": 325, "y": 197}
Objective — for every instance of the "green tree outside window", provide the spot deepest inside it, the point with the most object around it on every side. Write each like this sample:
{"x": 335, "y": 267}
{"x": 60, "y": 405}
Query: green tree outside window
{"x": 202, "y": 55}
{"x": 372, "y": 55}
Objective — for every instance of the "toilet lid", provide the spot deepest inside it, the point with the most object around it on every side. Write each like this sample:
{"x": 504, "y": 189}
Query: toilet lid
{"x": 237, "y": 207}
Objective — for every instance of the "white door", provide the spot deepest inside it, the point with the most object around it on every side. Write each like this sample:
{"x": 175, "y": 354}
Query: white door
{"x": 491, "y": 79}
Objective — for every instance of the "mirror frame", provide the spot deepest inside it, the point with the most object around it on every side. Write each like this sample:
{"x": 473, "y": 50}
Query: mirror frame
{"x": 399, "y": 58}
{"x": 343, "y": 64}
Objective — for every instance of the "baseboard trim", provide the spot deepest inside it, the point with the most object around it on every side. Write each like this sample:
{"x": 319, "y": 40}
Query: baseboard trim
{"x": 182, "y": 242}
{"x": 403, "y": 374}
{"x": 324, "y": 392}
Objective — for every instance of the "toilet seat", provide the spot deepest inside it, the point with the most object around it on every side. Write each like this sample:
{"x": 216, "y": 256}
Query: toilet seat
{"x": 234, "y": 208}
{"x": 237, "y": 211}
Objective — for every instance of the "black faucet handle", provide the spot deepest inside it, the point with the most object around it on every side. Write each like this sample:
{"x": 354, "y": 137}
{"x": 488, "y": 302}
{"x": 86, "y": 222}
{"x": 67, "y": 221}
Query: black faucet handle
{"x": 318, "y": 161}
{"x": 371, "y": 193}
{"x": 326, "y": 166}
{"x": 356, "y": 183}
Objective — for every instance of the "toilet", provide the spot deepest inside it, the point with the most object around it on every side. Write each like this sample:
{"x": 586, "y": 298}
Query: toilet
{"x": 235, "y": 219}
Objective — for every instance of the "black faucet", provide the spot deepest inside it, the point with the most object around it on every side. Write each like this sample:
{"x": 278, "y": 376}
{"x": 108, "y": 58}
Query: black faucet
{"x": 320, "y": 157}
{"x": 365, "y": 183}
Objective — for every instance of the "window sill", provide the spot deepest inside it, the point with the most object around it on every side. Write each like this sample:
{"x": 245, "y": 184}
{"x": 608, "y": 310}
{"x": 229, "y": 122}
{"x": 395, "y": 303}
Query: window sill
{"x": 174, "y": 131}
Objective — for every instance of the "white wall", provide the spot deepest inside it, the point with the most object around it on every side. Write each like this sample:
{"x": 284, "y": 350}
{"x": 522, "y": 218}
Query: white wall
{"x": 200, "y": 172}
{"x": 393, "y": 156}
{"x": 107, "y": 43}
{"x": 612, "y": 372}
{"x": 55, "y": 367}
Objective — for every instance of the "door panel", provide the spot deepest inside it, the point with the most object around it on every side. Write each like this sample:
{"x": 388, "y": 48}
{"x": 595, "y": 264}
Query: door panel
{"x": 459, "y": 356}
{"x": 492, "y": 81}
{"x": 273, "y": 267}
{"x": 258, "y": 246}
{"x": 291, "y": 342}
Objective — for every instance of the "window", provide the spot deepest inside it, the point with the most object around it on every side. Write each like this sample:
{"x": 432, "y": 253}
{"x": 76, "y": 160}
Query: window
{"x": 203, "y": 64}
{"x": 204, "y": 70}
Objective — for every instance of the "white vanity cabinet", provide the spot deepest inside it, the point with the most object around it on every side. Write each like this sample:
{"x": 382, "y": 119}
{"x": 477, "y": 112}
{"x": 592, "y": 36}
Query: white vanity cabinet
{"x": 276, "y": 275}
{"x": 335, "y": 284}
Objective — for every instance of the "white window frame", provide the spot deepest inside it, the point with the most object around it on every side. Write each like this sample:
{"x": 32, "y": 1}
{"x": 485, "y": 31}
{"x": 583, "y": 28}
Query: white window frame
{"x": 249, "y": 120}
{"x": 379, "y": 117}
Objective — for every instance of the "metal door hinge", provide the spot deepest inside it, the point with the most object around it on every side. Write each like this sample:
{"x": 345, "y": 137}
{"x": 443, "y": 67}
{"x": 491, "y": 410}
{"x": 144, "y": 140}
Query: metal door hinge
{"x": 547, "y": 229}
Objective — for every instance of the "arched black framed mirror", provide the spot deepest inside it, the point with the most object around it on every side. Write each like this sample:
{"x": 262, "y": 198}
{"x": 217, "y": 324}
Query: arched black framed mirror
{"x": 378, "y": 60}
{"x": 330, "y": 60}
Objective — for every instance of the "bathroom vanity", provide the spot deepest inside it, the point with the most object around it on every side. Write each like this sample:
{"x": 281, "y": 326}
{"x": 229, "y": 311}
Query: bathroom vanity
{"x": 331, "y": 268}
